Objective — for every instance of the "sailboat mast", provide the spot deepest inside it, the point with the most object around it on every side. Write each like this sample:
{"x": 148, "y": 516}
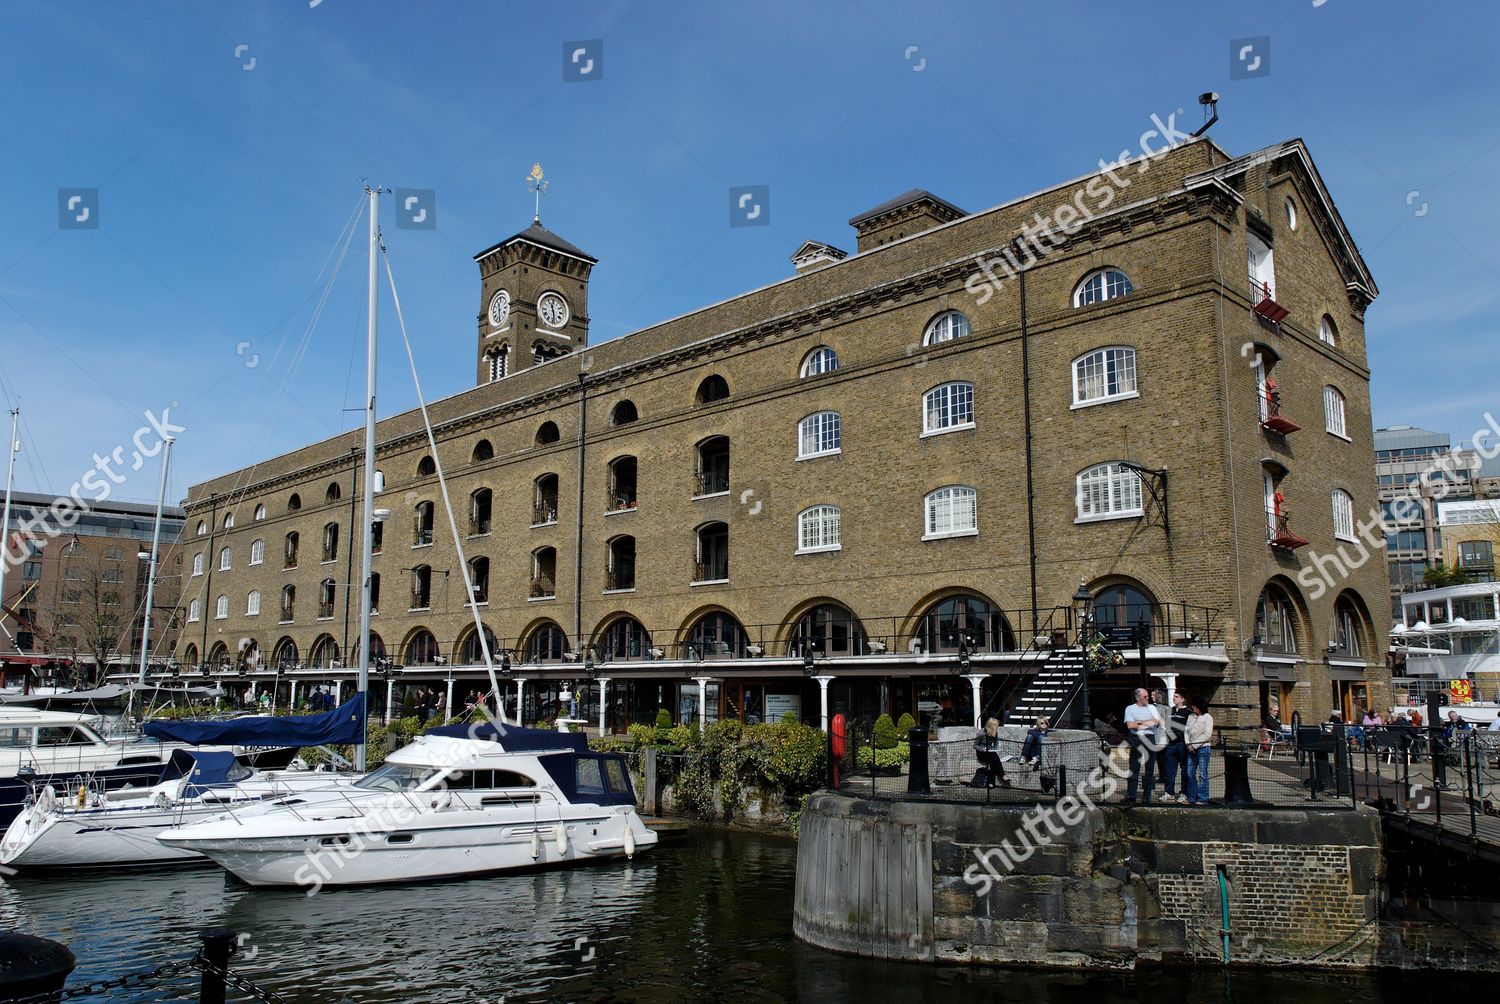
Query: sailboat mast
{"x": 12, "y": 447}
{"x": 161, "y": 495}
{"x": 368, "y": 537}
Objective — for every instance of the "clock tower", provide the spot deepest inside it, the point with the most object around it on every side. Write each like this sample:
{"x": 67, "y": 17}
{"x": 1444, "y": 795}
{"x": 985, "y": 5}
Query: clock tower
{"x": 533, "y": 302}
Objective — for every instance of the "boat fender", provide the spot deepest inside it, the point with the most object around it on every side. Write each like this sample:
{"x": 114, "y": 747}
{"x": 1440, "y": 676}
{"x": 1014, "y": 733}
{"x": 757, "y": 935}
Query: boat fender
{"x": 163, "y": 800}
{"x": 83, "y": 796}
{"x": 560, "y": 834}
{"x": 629, "y": 840}
{"x": 536, "y": 845}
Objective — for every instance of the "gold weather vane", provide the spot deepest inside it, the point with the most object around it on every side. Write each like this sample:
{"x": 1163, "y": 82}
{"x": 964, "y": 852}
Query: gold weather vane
{"x": 536, "y": 184}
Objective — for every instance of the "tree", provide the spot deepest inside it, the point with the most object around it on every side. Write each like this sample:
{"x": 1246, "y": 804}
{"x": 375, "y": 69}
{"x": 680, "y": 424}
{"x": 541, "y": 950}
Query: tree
{"x": 1440, "y": 575}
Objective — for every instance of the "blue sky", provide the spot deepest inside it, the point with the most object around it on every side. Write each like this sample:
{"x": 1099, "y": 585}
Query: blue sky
{"x": 226, "y": 174}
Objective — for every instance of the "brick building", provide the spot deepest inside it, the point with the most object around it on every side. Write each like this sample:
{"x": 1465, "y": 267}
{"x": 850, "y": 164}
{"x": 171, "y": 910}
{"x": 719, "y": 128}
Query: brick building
{"x": 902, "y": 461}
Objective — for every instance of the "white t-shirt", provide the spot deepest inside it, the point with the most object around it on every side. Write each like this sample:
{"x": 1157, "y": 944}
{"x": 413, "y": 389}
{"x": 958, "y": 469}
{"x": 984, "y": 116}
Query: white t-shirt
{"x": 1136, "y": 713}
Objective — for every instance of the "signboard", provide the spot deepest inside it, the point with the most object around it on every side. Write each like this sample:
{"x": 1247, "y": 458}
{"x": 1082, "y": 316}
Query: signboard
{"x": 1119, "y": 635}
{"x": 779, "y": 704}
{"x": 1460, "y": 691}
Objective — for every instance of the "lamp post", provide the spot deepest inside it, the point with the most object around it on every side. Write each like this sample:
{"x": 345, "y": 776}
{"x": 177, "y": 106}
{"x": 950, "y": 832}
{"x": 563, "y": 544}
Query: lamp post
{"x": 810, "y": 669}
{"x": 1083, "y": 602}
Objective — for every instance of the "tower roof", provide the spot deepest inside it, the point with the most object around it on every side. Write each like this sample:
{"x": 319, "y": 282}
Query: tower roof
{"x": 542, "y": 237}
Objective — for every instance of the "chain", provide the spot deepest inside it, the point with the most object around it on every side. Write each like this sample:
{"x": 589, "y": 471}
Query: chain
{"x": 127, "y": 982}
{"x": 239, "y": 982}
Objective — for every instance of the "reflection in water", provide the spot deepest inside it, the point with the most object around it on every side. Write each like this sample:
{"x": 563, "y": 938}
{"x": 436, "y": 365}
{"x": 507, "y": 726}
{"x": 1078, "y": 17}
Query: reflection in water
{"x": 708, "y": 918}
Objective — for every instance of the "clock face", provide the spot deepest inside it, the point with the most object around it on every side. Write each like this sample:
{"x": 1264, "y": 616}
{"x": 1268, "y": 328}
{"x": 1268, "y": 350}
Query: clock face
{"x": 553, "y": 311}
{"x": 499, "y": 308}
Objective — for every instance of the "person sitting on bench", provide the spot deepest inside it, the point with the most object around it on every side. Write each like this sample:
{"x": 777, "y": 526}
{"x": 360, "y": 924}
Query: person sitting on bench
{"x": 1031, "y": 749}
{"x": 987, "y": 749}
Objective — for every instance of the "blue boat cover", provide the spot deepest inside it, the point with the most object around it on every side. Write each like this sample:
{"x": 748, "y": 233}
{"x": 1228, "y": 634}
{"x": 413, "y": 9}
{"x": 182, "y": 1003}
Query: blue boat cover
{"x": 514, "y": 738}
{"x": 343, "y": 725}
{"x": 205, "y": 768}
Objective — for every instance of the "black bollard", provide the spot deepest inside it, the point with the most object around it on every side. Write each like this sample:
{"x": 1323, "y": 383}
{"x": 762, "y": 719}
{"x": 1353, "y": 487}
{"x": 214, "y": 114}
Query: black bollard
{"x": 1340, "y": 760}
{"x": 1237, "y": 778}
{"x": 218, "y": 943}
{"x": 916, "y": 774}
{"x": 31, "y": 967}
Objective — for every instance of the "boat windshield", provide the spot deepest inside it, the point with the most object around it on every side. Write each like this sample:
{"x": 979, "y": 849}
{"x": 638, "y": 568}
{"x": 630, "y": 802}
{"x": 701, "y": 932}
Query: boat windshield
{"x": 396, "y": 777}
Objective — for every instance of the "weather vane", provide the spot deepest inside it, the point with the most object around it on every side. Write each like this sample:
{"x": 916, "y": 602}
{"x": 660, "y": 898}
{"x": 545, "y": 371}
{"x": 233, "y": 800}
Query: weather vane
{"x": 537, "y": 185}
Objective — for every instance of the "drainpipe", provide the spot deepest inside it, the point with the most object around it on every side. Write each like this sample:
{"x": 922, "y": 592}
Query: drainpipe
{"x": 1224, "y": 909}
{"x": 1030, "y": 490}
{"x": 583, "y": 427}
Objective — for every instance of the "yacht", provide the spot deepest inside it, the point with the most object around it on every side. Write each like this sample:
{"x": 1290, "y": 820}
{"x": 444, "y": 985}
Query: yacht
{"x": 94, "y": 828}
{"x": 459, "y": 801}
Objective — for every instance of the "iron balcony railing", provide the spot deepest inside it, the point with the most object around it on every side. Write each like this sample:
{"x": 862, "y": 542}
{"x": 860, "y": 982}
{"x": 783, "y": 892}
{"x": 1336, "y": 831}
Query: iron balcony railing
{"x": 421, "y": 536}
{"x": 619, "y": 580}
{"x": 544, "y": 512}
{"x": 542, "y": 586}
{"x": 479, "y": 526}
{"x": 619, "y": 500}
{"x": 711, "y": 482}
{"x": 710, "y": 571}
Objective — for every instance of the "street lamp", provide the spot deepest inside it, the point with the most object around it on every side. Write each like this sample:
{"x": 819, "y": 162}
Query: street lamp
{"x": 1083, "y": 602}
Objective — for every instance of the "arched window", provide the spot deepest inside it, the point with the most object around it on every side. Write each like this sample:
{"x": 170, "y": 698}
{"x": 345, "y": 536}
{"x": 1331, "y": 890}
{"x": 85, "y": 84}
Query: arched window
{"x": 1275, "y": 622}
{"x": 260, "y": 512}
{"x": 198, "y": 563}
{"x": 202, "y": 528}
{"x": 249, "y": 654}
{"x": 547, "y": 433}
{"x": 114, "y": 553}
{"x": 252, "y": 603}
{"x": 716, "y": 636}
{"x": 945, "y": 327}
{"x": 543, "y": 573}
{"x": 293, "y": 502}
{"x": 544, "y": 500}
{"x": 257, "y": 551}
{"x": 374, "y": 594}
{"x": 1291, "y": 214}
{"x": 1108, "y": 491}
{"x": 1343, "y": 514}
{"x": 819, "y": 361}
{"x": 1123, "y": 605}
{"x": 426, "y": 467}
{"x": 471, "y": 652}
{"x": 421, "y": 649}
{"x": 624, "y": 413}
{"x": 421, "y": 587}
{"x": 963, "y": 622}
{"x": 193, "y": 610}
{"x": 624, "y": 639}
{"x": 622, "y": 484}
{"x": 712, "y": 553}
{"x": 479, "y": 577}
{"x": 948, "y": 407}
{"x": 1347, "y": 638}
{"x": 827, "y": 630}
{"x": 334, "y": 492}
{"x": 713, "y": 388}
{"x": 483, "y": 450}
{"x": 951, "y": 511}
{"x": 1333, "y": 412}
{"x": 324, "y": 653}
{"x": 1327, "y": 332}
{"x": 819, "y": 528}
{"x": 546, "y": 643}
{"x": 498, "y": 363}
{"x": 285, "y": 653}
{"x": 218, "y": 655}
{"x": 479, "y": 511}
{"x": 377, "y": 648}
{"x": 326, "y": 590}
{"x": 620, "y": 572}
{"x": 1106, "y": 374}
{"x": 190, "y": 655}
{"x": 713, "y": 466}
{"x": 293, "y": 540}
{"x": 229, "y": 521}
{"x": 819, "y": 435}
{"x": 421, "y": 524}
{"x": 288, "y": 603}
{"x": 1105, "y": 284}
{"x": 330, "y": 542}
{"x": 226, "y": 559}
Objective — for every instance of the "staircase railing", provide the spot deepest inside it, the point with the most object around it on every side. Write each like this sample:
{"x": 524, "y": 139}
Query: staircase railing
{"x": 1047, "y": 627}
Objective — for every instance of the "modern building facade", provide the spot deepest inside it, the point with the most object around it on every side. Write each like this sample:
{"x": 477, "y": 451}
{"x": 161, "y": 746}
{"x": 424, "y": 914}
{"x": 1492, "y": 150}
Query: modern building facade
{"x": 75, "y": 590}
{"x": 1423, "y": 467}
{"x": 889, "y": 472}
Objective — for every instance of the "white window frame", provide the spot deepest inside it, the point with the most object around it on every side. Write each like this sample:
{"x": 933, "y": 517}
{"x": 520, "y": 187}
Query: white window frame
{"x": 252, "y": 603}
{"x": 1334, "y": 413}
{"x": 819, "y": 361}
{"x": 1108, "y": 288}
{"x": 943, "y": 508}
{"x": 823, "y": 525}
{"x": 1119, "y": 487}
{"x": 257, "y": 551}
{"x": 202, "y": 528}
{"x": 819, "y": 433}
{"x": 193, "y": 611}
{"x": 198, "y": 564}
{"x": 1291, "y": 214}
{"x": 226, "y": 559}
{"x": 963, "y": 391}
{"x": 1114, "y": 360}
{"x": 1262, "y": 265}
{"x": 946, "y": 327}
{"x": 221, "y": 607}
{"x": 1343, "y": 514}
{"x": 260, "y": 512}
{"x": 1327, "y": 332}
{"x": 229, "y": 521}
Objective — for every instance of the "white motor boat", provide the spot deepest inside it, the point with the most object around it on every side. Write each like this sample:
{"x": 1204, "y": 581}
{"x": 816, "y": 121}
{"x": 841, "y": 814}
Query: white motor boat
{"x": 92, "y": 828}
{"x": 459, "y": 801}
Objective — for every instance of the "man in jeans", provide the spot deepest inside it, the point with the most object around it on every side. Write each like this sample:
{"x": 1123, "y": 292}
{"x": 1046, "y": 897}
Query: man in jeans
{"x": 1174, "y": 755}
{"x": 1143, "y": 726}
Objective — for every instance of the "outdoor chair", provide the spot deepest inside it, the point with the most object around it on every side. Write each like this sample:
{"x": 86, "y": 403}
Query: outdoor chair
{"x": 1270, "y": 742}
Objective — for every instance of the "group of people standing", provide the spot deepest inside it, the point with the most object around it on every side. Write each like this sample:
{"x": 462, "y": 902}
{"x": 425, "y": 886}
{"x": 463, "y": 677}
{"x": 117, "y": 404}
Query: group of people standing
{"x": 1178, "y": 736}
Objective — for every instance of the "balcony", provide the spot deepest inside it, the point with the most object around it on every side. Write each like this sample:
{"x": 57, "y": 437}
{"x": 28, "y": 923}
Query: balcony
{"x": 325, "y": 610}
{"x": 479, "y": 527}
{"x": 421, "y": 536}
{"x": 619, "y": 502}
{"x": 288, "y": 614}
{"x": 711, "y": 482}
{"x": 618, "y": 580}
{"x": 710, "y": 571}
{"x": 544, "y": 513}
{"x": 542, "y": 588}
{"x": 1265, "y": 303}
{"x": 1271, "y": 418}
{"x": 1279, "y": 533}
{"x": 291, "y": 561}
{"x": 420, "y": 601}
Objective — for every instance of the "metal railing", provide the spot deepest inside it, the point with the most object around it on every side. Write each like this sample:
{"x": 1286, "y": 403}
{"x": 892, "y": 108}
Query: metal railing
{"x": 711, "y": 482}
{"x": 544, "y": 513}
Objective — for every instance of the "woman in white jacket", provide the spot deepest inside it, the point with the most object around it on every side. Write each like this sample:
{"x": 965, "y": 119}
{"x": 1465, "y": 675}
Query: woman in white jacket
{"x": 1200, "y": 739}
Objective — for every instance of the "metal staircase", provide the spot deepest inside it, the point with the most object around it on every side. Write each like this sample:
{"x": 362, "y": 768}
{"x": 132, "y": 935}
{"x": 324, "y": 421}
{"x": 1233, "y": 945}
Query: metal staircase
{"x": 1049, "y": 693}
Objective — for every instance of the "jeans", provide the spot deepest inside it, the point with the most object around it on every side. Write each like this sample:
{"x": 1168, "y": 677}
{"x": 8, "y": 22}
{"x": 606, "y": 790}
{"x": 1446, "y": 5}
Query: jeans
{"x": 1174, "y": 761}
{"x": 1197, "y": 773}
{"x": 1141, "y": 756}
{"x": 1032, "y": 747}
